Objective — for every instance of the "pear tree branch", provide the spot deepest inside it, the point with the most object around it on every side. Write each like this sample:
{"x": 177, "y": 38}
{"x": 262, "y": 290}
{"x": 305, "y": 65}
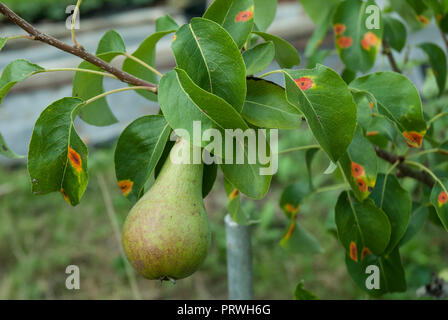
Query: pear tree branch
{"x": 42, "y": 37}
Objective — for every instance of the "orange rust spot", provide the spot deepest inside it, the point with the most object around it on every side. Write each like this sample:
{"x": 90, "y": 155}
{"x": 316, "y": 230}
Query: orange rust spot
{"x": 66, "y": 198}
{"x": 413, "y": 139}
{"x": 291, "y": 229}
{"x": 372, "y": 133}
{"x": 370, "y": 39}
{"x": 125, "y": 186}
{"x": 422, "y": 19}
{"x": 344, "y": 42}
{"x": 304, "y": 83}
{"x": 75, "y": 159}
{"x": 439, "y": 17}
{"x": 174, "y": 37}
{"x": 357, "y": 170}
{"x": 339, "y": 29}
{"x": 234, "y": 194}
{"x": 353, "y": 251}
{"x": 365, "y": 252}
{"x": 362, "y": 185}
{"x": 443, "y": 198}
{"x": 244, "y": 16}
{"x": 371, "y": 104}
{"x": 291, "y": 209}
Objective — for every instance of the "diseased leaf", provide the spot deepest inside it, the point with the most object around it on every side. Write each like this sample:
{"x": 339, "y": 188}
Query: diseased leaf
{"x": 212, "y": 60}
{"x": 438, "y": 63}
{"x": 357, "y": 45}
{"x": 396, "y": 203}
{"x": 439, "y": 199}
{"x": 395, "y": 33}
{"x": 392, "y": 276}
{"x": 285, "y": 54}
{"x": 363, "y": 228}
{"x": 319, "y": 33}
{"x": 318, "y": 9}
{"x": 237, "y": 213}
{"x": 360, "y": 166}
{"x": 266, "y": 106}
{"x": 259, "y": 58}
{"x": 327, "y": 104}
{"x": 300, "y": 241}
{"x": 138, "y": 151}
{"x": 265, "y": 11}
{"x": 57, "y": 159}
{"x": 292, "y": 198}
{"x": 87, "y": 85}
{"x": 6, "y": 151}
{"x": 14, "y": 72}
{"x": 402, "y": 105}
{"x": 236, "y": 16}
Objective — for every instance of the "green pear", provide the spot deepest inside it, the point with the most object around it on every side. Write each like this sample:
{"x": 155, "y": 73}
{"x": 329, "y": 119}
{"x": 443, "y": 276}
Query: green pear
{"x": 166, "y": 235}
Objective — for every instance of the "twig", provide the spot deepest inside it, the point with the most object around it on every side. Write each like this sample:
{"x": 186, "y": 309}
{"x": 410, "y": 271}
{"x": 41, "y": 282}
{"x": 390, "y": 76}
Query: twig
{"x": 112, "y": 216}
{"x": 405, "y": 170}
{"x": 388, "y": 52}
{"x": 42, "y": 37}
{"x": 75, "y": 16}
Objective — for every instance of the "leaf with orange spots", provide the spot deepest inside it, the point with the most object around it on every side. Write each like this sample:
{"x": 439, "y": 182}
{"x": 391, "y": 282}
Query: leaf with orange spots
{"x": 327, "y": 104}
{"x": 57, "y": 158}
{"x": 234, "y": 208}
{"x": 6, "y": 151}
{"x": 360, "y": 165}
{"x": 392, "y": 275}
{"x": 297, "y": 240}
{"x": 396, "y": 202}
{"x": 236, "y": 16}
{"x": 439, "y": 200}
{"x": 357, "y": 46}
{"x": 402, "y": 105}
{"x": 138, "y": 151}
{"x": 292, "y": 198}
{"x": 362, "y": 223}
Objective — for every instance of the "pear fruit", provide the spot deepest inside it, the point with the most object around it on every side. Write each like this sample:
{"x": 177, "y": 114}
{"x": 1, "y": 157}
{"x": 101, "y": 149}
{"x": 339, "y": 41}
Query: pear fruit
{"x": 166, "y": 235}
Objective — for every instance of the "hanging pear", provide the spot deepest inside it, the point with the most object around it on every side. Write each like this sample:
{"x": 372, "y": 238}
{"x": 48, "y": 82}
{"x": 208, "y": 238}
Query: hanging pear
{"x": 166, "y": 235}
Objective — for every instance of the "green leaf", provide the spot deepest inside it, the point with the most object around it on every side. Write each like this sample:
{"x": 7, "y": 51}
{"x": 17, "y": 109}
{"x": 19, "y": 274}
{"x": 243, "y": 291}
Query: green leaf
{"x": 147, "y": 53}
{"x": 57, "y": 159}
{"x": 166, "y": 23}
{"x": 87, "y": 85}
{"x": 327, "y": 104}
{"x": 236, "y": 16}
{"x": 285, "y": 54}
{"x": 2, "y": 43}
{"x": 317, "y": 58}
{"x": 209, "y": 178}
{"x": 391, "y": 272}
{"x": 381, "y": 131}
{"x": 299, "y": 241}
{"x": 309, "y": 157}
{"x": 439, "y": 199}
{"x": 357, "y": 45}
{"x": 348, "y": 75}
{"x": 210, "y": 57}
{"x": 235, "y": 211}
{"x": 265, "y": 11}
{"x": 408, "y": 14}
{"x": 362, "y": 227}
{"x": 14, "y": 72}
{"x": 138, "y": 151}
{"x": 395, "y": 33}
{"x": 319, "y": 33}
{"x": 416, "y": 224}
{"x": 292, "y": 198}
{"x": 266, "y": 106}
{"x": 438, "y": 63}
{"x": 318, "y": 9}
{"x": 396, "y": 203}
{"x": 6, "y": 151}
{"x": 401, "y": 105}
{"x": 360, "y": 165}
{"x": 259, "y": 58}
{"x": 177, "y": 89}
{"x": 302, "y": 294}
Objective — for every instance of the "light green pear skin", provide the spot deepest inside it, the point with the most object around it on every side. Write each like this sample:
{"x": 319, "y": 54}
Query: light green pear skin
{"x": 166, "y": 235}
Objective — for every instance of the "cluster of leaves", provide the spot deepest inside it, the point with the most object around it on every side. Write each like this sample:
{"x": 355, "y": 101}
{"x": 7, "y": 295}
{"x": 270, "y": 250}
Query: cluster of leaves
{"x": 217, "y": 57}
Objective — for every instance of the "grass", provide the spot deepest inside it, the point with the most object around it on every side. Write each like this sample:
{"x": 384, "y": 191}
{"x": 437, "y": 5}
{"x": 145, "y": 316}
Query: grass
{"x": 41, "y": 235}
